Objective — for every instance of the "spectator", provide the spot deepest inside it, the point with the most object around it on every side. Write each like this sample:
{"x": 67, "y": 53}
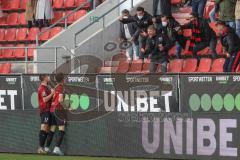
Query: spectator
{"x": 237, "y": 14}
{"x": 172, "y": 29}
{"x": 230, "y": 43}
{"x": 44, "y": 12}
{"x": 156, "y": 49}
{"x": 202, "y": 36}
{"x": 214, "y": 11}
{"x": 30, "y": 12}
{"x": 129, "y": 35}
{"x": 162, "y": 7}
{"x": 198, "y": 7}
{"x": 227, "y": 11}
{"x": 143, "y": 21}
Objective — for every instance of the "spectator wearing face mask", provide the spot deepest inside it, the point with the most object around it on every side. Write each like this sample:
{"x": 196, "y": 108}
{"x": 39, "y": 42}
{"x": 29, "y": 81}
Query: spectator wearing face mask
{"x": 162, "y": 7}
{"x": 231, "y": 47}
{"x": 157, "y": 47}
{"x": 129, "y": 36}
{"x": 202, "y": 36}
{"x": 172, "y": 29}
{"x": 227, "y": 11}
{"x": 143, "y": 20}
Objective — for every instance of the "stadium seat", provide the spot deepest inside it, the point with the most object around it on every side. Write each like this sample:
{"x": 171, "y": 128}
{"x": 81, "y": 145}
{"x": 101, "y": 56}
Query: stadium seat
{"x": 57, "y": 15}
{"x": 2, "y": 34}
{"x": 32, "y": 34}
{"x": 119, "y": 57}
{"x": 176, "y": 66}
{"x": 5, "y": 68}
{"x": 190, "y": 65}
{"x": 10, "y": 34}
{"x": 145, "y": 68}
{"x": 80, "y": 14}
{"x": 70, "y": 18}
{"x": 12, "y": 19}
{"x": 21, "y": 34}
{"x": 23, "y": 4}
{"x": 22, "y": 19}
{"x": 205, "y": 65}
{"x": 45, "y": 35}
{"x": 69, "y": 4}
{"x": 30, "y": 51}
{"x": 19, "y": 53}
{"x": 123, "y": 67}
{"x": 54, "y": 31}
{"x": 5, "y": 5}
{"x": 14, "y": 4}
{"x": 217, "y": 66}
{"x": 136, "y": 66}
{"x": 8, "y": 52}
{"x": 58, "y": 3}
{"x": 80, "y": 2}
{"x": 3, "y": 21}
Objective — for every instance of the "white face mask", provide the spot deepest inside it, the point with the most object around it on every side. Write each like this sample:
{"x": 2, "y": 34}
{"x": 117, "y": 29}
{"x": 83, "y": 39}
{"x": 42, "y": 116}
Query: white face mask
{"x": 140, "y": 17}
{"x": 164, "y": 24}
{"x": 125, "y": 17}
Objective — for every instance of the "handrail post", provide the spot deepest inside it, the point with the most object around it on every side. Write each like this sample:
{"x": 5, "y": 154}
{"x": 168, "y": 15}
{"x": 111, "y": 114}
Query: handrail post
{"x": 132, "y": 4}
{"x": 65, "y": 23}
{"x": 26, "y": 59}
{"x": 56, "y": 59}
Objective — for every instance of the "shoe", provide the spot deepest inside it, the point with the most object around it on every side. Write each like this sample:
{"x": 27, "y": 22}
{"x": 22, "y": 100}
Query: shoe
{"x": 46, "y": 149}
{"x": 41, "y": 151}
{"x": 57, "y": 151}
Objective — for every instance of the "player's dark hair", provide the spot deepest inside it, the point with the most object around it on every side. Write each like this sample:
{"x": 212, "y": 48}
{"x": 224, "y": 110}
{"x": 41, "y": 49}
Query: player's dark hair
{"x": 42, "y": 76}
{"x": 59, "y": 77}
{"x": 139, "y": 9}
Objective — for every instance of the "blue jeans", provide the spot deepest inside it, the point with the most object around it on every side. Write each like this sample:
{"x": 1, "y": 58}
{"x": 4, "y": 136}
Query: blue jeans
{"x": 238, "y": 27}
{"x": 178, "y": 50}
{"x": 198, "y": 7}
{"x": 212, "y": 15}
{"x": 132, "y": 51}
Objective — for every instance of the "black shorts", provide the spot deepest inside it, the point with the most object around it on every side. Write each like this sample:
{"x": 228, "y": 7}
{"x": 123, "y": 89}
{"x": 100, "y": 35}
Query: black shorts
{"x": 45, "y": 117}
{"x": 55, "y": 121}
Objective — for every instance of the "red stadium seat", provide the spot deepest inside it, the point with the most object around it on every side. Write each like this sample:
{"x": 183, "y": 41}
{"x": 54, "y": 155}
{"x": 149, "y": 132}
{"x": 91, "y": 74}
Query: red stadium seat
{"x": 6, "y": 68}
{"x": 23, "y": 4}
{"x": 21, "y": 34}
{"x": 1, "y": 52}
{"x": 57, "y": 15}
{"x": 80, "y": 14}
{"x": 217, "y": 66}
{"x": 70, "y": 18}
{"x": 136, "y": 67}
{"x": 119, "y": 57}
{"x": 8, "y": 52}
{"x": 30, "y": 51}
{"x": 54, "y": 31}
{"x": 14, "y": 4}
{"x": 12, "y": 19}
{"x": 80, "y": 2}
{"x": 205, "y": 65}
{"x": 58, "y": 3}
{"x": 45, "y": 35}
{"x": 123, "y": 67}
{"x": 190, "y": 65}
{"x": 2, "y": 34}
{"x": 32, "y": 34}
{"x": 22, "y": 19}
{"x": 176, "y": 66}
{"x": 145, "y": 68}
{"x": 10, "y": 34}
{"x": 5, "y": 5}
{"x": 19, "y": 53}
{"x": 3, "y": 21}
{"x": 69, "y": 4}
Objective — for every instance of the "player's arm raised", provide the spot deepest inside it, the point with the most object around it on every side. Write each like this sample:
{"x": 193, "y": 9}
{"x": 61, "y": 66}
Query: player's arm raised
{"x": 48, "y": 98}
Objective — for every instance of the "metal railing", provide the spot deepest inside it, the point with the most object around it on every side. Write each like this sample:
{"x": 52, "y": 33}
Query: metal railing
{"x": 64, "y": 18}
{"x": 98, "y": 18}
{"x": 26, "y": 60}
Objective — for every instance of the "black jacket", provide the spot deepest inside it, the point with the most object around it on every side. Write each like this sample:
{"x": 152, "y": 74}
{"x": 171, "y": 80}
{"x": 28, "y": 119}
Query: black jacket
{"x": 142, "y": 24}
{"x": 207, "y": 32}
{"x": 165, "y": 7}
{"x": 152, "y": 48}
{"x": 133, "y": 29}
{"x": 230, "y": 41}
